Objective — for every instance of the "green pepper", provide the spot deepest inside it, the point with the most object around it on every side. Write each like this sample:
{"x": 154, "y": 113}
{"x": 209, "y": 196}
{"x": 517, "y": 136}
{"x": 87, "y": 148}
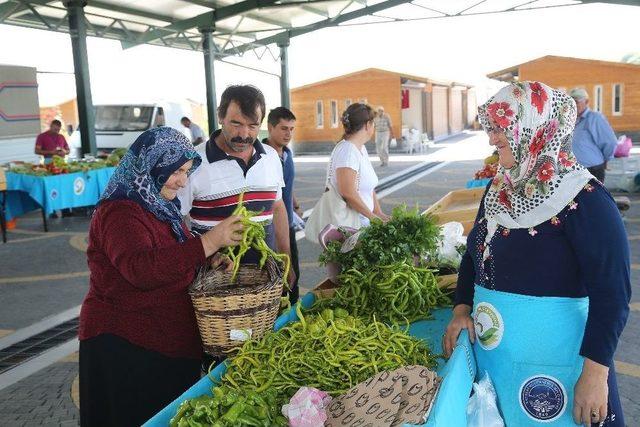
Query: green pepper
{"x": 327, "y": 314}
{"x": 232, "y": 414}
{"x": 230, "y": 398}
{"x": 341, "y": 313}
{"x": 246, "y": 419}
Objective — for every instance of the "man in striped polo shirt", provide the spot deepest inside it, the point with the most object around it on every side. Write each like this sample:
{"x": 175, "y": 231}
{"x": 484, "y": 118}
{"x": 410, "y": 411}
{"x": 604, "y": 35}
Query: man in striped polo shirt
{"x": 235, "y": 162}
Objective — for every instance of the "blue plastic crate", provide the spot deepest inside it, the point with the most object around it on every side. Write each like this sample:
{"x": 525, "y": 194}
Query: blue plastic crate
{"x": 475, "y": 183}
{"x": 449, "y": 409}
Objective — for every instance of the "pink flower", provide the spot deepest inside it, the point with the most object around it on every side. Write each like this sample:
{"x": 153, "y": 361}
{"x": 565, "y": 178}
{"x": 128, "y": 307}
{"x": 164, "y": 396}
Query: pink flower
{"x": 500, "y": 112}
{"x": 546, "y": 172}
{"x": 552, "y": 128}
{"x": 518, "y": 93}
{"x": 537, "y": 142}
{"x": 565, "y": 160}
{"x": 503, "y": 198}
{"x": 555, "y": 221}
{"x": 538, "y": 96}
{"x": 533, "y": 232}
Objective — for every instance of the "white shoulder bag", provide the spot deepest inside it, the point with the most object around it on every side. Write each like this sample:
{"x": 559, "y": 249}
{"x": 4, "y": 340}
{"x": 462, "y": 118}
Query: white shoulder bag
{"x": 331, "y": 209}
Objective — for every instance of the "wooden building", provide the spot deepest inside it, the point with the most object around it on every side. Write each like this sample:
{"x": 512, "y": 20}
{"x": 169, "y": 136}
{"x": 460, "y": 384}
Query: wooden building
{"x": 435, "y": 108}
{"x": 613, "y": 87}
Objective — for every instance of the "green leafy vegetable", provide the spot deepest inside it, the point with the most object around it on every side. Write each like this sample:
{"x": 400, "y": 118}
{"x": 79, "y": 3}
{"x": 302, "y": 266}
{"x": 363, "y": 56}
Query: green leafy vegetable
{"x": 407, "y": 235}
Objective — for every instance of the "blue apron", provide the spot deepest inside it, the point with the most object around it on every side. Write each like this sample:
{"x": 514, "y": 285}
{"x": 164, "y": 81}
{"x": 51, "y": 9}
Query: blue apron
{"x": 530, "y": 348}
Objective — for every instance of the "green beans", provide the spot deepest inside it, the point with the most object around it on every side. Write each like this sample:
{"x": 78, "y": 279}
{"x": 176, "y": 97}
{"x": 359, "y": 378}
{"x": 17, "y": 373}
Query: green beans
{"x": 332, "y": 351}
{"x": 395, "y": 293}
{"x": 253, "y": 237}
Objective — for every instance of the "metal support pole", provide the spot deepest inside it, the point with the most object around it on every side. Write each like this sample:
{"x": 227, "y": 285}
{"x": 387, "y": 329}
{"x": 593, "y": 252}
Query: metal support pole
{"x": 285, "y": 96}
{"x": 208, "y": 48}
{"x": 86, "y": 115}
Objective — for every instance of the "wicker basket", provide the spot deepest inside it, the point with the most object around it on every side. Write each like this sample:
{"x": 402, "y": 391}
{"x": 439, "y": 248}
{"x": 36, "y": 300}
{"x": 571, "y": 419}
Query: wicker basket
{"x": 228, "y": 314}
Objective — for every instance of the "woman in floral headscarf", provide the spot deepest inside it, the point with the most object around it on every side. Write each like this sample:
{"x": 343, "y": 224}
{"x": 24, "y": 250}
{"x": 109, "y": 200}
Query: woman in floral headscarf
{"x": 544, "y": 285}
{"x": 139, "y": 343}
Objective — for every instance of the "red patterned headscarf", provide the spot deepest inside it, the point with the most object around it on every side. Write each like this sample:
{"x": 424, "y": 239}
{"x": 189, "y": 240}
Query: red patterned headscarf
{"x": 538, "y": 122}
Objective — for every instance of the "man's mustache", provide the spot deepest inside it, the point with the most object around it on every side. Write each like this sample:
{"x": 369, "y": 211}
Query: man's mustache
{"x": 238, "y": 140}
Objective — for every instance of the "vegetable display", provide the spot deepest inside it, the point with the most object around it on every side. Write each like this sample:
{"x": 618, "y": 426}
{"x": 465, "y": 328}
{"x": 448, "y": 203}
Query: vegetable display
{"x": 394, "y": 293}
{"x": 342, "y": 341}
{"x": 331, "y": 351}
{"x": 228, "y": 407}
{"x": 253, "y": 237}
{"x": 490, "y": 168}
{"x": 59, "y": 166}
{"x": 407, "y": 235}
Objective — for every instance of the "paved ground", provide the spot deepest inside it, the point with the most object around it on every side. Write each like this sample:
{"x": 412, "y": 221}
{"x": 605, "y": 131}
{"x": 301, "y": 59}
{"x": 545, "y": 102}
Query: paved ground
{"x": 44, "y": 274}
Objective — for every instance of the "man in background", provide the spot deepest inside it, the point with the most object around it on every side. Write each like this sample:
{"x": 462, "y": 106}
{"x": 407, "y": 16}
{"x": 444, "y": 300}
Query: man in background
{"x": 197, "y": 135}
{"x": 384, "y": 130}
{"x": 51, "y": 143}
{"x": 593, "y": 138}
{"x": 281, "y": 123}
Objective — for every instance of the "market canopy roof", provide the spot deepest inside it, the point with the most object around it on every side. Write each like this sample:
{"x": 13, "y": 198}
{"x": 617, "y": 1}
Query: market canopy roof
{"x": 247, "y": 25}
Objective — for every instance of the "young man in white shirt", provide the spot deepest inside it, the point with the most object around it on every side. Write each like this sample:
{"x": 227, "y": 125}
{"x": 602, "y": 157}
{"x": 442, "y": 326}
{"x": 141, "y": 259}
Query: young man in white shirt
{"x": 235, "y": 162}
{"x": 197, "y": 134}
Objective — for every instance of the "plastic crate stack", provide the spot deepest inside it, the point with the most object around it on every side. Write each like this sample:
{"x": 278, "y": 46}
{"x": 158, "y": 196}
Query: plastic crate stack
{"x": 621, "y": 172}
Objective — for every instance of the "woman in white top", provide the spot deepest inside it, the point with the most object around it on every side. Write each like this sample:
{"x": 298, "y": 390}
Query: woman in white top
{"x": 350, "y": 170}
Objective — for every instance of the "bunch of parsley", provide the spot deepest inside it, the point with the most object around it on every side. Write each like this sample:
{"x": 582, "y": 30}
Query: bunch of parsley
{"x": 407, "y": 235}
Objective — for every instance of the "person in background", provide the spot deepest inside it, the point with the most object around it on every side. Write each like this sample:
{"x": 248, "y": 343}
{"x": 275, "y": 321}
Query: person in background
{"x": 139, "y": 342}
{"x": 51, "y": 143}
{"x": 594, "y": 142}
{"x": 384, "y": 133}
{"x": 281, "y": 123}
{"x": 350, "y": 171}
{"x": 197, "y": 135}
{"x": 544, "y": 285}
{"x": 237, "y": 163}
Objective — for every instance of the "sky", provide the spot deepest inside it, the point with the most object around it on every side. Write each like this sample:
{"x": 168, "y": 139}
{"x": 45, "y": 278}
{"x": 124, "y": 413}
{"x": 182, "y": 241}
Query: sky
{"x": 461, "y": 49}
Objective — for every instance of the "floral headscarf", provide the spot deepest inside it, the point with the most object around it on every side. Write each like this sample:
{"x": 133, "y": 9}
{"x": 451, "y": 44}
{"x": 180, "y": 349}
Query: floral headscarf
{"x": 538, "y": 122}
{"x": 146, "y": 167}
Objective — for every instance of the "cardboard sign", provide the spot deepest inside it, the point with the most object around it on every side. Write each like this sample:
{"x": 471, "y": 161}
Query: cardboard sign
{"x": 390, "y": 398}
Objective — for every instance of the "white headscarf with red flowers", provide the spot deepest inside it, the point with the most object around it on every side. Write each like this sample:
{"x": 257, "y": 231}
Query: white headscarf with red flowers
{"x": 538, "y": 122}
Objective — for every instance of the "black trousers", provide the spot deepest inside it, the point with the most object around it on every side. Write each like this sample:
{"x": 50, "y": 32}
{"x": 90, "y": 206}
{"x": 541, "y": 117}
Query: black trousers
{"x": 124, "y": 385}
{"x": 598, "y": 171}
{"x": 295, "y": 265}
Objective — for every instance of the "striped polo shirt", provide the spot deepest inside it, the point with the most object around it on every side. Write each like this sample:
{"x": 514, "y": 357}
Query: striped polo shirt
{"x": 213, "y": 190}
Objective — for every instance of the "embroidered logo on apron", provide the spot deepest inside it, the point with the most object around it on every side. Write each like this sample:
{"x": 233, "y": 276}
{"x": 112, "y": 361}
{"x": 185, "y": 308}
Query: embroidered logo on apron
{"x": 543, "y": 398}
{"x": 488, "y": 325}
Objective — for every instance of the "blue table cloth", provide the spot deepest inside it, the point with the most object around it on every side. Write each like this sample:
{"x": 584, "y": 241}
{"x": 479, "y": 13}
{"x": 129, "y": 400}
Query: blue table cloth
{"x": 26, "y": 193}
{"x": 449, "y": 409}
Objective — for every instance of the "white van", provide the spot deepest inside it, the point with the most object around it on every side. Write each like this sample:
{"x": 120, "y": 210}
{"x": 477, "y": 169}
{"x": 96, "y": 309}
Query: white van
{"x": 119, "y": 124}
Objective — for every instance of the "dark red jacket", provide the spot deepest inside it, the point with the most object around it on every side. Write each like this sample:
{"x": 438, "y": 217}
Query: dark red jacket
{"x": 139, "y": 279}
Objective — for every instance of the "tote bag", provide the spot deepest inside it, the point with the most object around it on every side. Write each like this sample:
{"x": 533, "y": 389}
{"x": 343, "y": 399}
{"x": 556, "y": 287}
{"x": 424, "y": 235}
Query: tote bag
{"x": 330, "y": 209}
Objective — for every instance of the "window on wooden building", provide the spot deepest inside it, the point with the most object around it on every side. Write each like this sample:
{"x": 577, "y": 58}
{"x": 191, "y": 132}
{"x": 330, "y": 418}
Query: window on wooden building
{"x": 617, "y": 100}
{"x": 334, "y": 114}
{"x": 597, "y": 98}
{"x": 319, "y": 115}
{"x": 347, "y": 102}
